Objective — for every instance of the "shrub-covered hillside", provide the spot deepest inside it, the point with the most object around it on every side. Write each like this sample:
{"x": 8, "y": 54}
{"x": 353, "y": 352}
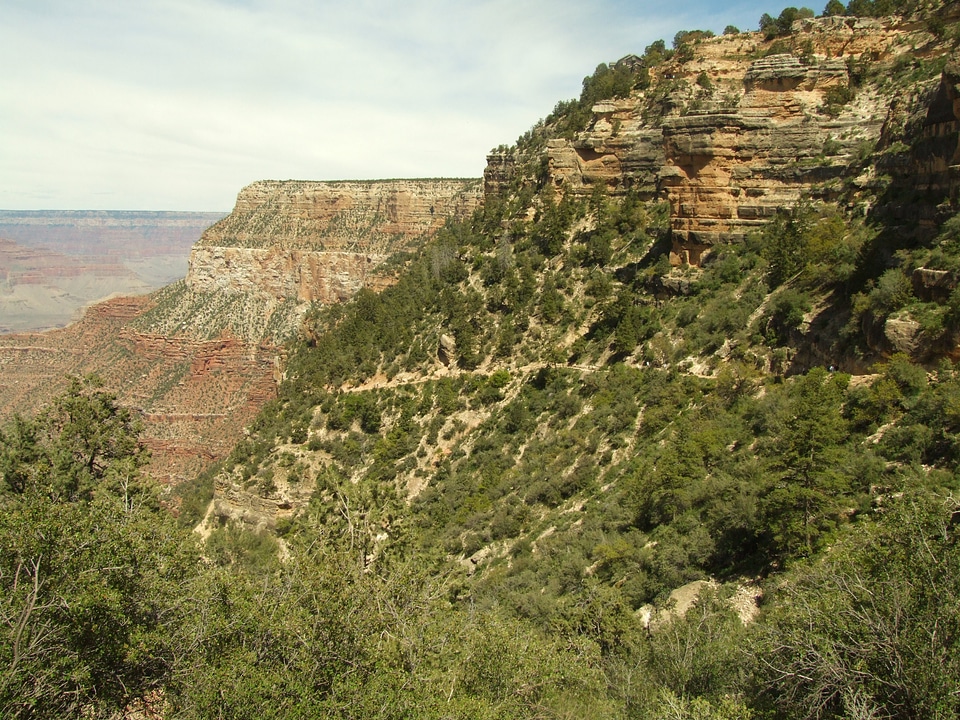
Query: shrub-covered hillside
{"x": 550, "y": 474}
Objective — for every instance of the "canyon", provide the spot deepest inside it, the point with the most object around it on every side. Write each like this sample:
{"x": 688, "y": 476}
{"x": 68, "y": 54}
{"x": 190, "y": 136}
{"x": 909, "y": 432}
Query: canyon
{"x": 54, "y": 263}
{"x": 664, "y": 422}
{"x": 744, "y": 130}
{"x": 727, "y": 138}
{"x": 199, "y": 357}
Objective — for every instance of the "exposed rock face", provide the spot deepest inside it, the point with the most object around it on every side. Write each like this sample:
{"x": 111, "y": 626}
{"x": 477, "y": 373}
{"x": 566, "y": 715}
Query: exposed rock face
{"x": 193, "y": 396}
{"x": 371, "y": 216}
{"x": 926, "y": 178}
{"x": 933, "y": 285}
{"x": 303, "y": 275}
{"x": 447, "y": 350}
{"x": 729, "y": 140}
{"x": 288, "y": 244}
{"x": 905, "y": 335}
{"x": 256, "y": 508}
{"x": 729, "y": 172}
{"x": 319, "y": 241}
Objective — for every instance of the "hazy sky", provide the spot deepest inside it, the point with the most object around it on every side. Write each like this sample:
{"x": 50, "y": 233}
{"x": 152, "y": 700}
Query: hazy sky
{"x": 177, "y": 104}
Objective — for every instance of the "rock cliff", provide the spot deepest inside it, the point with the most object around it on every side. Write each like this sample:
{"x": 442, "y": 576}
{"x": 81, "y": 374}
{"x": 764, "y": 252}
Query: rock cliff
{"x": 193, "y": 396}
{"x": 743, "y": 126}
{"x": 287, "y": 244}
{"x": 737, "y": 131}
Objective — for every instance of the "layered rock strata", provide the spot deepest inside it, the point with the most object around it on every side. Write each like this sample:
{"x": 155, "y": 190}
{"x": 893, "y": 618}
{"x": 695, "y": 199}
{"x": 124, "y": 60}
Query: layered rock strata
{"x": 193, "y": 396}
{"x": 319, "y": 241}
{"x": 291, "y": 243}
{"x": 736, "y": 133}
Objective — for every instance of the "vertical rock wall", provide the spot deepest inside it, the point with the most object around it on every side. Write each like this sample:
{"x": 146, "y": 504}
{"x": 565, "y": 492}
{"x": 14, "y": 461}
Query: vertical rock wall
{"x": 736, "y": 133}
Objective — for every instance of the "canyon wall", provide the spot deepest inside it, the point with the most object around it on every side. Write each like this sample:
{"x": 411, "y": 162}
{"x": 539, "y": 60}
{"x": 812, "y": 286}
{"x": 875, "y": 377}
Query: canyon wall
{"x": 53, "y": 263}
{"x": 198, "y": 358}
{"x": 194, "y": 396}
{"x": 744, "y": 128}
{"x": 319, "y": 241}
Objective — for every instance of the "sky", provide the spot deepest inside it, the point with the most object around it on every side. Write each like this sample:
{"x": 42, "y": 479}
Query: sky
{"x": 178, "y": 104}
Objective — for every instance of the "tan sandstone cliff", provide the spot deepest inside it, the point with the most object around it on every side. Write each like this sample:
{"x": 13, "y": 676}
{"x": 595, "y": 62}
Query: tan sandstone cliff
{"x": 290, "y": 243}
{"x": 737, "y": 133}
{"x": 318, "y": 241}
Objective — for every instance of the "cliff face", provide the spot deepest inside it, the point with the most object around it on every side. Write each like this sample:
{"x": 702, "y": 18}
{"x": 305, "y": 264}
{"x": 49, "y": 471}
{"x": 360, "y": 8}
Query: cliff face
{"x": 287, "y": 244}
{"x": 363, "y": 216}
{"x": 742, "y": 129}
{"x": 730, "y": 170}
{"x": 319, "y": 241}
{"x": 193, "y": 396}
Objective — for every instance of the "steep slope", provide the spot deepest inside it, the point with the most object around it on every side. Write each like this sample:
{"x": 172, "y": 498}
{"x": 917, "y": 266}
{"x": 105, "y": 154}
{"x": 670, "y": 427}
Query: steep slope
{"x": 551, "y": 468}
{"x": 193, "y": 396}
{"x": 730, "y": 129}
{"x": 586, "y": 381}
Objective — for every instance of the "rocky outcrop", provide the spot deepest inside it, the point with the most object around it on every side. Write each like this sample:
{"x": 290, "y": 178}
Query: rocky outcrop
{"x": 363, "y": 216}
{"x": 933, "y": 285}
{"x": 281, "y": 273}
{"x": 739, "y": 131}
{"x": 257, "y": 508}
{"x": 288, "y": 244}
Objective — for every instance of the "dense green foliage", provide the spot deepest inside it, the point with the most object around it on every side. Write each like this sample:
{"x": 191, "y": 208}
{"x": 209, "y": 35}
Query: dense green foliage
{"x": 89, "y": 565}
{"x": 783, "y": 24}
{"x": 106, "y": 604}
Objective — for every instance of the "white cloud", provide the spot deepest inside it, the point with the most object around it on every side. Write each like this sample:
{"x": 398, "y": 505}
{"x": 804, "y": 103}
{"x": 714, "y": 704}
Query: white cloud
{"x": 175, "y": 104}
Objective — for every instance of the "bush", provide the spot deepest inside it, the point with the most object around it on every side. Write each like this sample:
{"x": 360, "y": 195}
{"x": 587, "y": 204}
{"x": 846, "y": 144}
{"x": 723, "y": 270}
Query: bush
{"x": 836, "y": 98}
{"x": 870, "y": 630}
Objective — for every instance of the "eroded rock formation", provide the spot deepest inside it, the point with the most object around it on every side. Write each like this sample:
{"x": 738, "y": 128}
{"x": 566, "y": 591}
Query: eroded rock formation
{"x": 319, "y": 241}
{"x": 740, "y": 130}
{"x": 193, "y": 396}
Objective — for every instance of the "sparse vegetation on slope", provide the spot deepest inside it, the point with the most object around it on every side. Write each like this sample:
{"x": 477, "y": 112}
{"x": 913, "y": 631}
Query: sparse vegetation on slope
{"x": 552, "y": 469}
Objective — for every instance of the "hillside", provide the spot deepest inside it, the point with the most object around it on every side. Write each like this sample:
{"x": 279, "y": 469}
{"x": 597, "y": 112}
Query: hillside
{"x": 699, "y": 330}
{"x": 739, "y": 225}
{"x": 666, "y": 427}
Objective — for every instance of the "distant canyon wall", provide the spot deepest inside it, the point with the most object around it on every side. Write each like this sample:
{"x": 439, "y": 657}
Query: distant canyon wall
{"x": 53, "y": 263}
{"x": 321, "y": 241}
{"x": 194, "y": 397}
